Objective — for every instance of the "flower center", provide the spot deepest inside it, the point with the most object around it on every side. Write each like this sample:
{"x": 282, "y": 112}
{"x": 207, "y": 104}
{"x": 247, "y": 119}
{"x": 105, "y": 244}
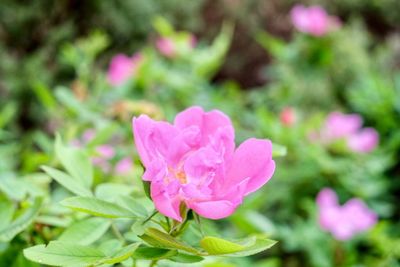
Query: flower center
{"x": 181, "y": 177}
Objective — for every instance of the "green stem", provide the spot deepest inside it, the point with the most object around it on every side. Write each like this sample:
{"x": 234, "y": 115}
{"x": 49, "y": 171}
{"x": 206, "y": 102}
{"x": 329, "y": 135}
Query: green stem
{"x": 198, "y": 221}
{"x": 149, "y": 218}
{"x": 153, "y": 263}
{"x": 117, "y": 233}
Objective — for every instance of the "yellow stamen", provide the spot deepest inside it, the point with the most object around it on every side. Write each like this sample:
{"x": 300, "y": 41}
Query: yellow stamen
{"x": 181, "y": 177}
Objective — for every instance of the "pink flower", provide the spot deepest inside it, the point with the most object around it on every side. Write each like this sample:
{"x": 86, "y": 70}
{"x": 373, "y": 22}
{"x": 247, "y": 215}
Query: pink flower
{"x": 122, "y": 68}
{"x": 343, "y": 222}
{"x": 124, "y": 166}
{"x": 313, "y": 20}
{"x": 288, "y": 116}
{"x": 363, "y": 141}
{"x": 194, "y": 162}
{"x": 170, "y": 48}
{"x": 339, "y": 125}
{"x": 106, "y": 151}
{"x": 166, "y": 47}
{"x": 88, "y": 135}
{"x": 349, "y": 127}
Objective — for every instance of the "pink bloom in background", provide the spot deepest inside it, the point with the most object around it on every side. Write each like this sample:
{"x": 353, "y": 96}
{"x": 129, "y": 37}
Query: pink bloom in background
{"x": 166, "y": 46}
{"x": 124, "y": 166}
{"x": 194, "y": 161}
{"x": 363, "y": 141}
{"x": 105, "y": 153}
{"x": 343, "y": 222}
{"x": 339, "y": 125}
{"x": 313, "y": 20}
{"x": 122, "y": 68}
{"x": 349, "y": 127}
{"x": 288, "y": 116}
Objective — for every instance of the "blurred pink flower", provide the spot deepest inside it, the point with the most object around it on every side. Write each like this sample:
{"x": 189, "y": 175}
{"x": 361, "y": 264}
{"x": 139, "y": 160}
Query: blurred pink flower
{"x": 106, "y": 151}
{"x": 88, "y": 135}
{"x": 343, "y": 222}
{"x": 122, "y": 68}
{"x": 339, "y": 125}
{"x": 349, "y": 127}
{"x": 194, "y": 162}
{"x": 313, "y": 20}
{"x": 363, "y": 141}
{"x": 124, "y": 166}
{"x": 166, "y": 46}
{"x": 288, "y": 116}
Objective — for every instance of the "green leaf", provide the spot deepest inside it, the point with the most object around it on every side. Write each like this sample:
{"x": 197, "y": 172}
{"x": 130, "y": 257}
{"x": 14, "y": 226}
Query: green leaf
{"x": 163, "y": 27}
{"x": 97, "y": 207}
{"x": 111, "y": 246}
{"x": 217, "y": 246}
{"x": 260, "y": 245}
{"x": 8, "y": 185}
{"x": 57, "y": 253}
{"x": 149, "y": 253}
{"x": 67, "y": 181}
{"x": 186, "y": 258}
{"x": 85, "y": 232}
{"x": 157, "y": 238}
{"x": 22, "y": 222}
{"x": 240, "y": 248}
{"x": 6, "y": 212}
{"x": 278, "y": 151}
{"x": 122, "y": 254}
{"x": 111, "y": 191}
{"x": 76, "y": 162}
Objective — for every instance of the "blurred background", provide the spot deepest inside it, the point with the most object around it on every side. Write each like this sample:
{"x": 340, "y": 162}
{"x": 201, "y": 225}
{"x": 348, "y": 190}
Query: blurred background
{"x": 321, "y": 79}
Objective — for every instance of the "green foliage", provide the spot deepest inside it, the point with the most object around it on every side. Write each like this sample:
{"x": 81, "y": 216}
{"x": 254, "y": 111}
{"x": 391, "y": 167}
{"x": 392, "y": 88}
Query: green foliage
{"x": 82, "y": 210}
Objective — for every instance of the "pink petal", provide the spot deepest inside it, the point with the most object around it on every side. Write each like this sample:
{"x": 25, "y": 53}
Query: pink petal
{"x": 166, "y": 47}
{"x": 359, "y": 215}
{"x": 327, "y": 198}
{"x": 213, "y": 209}
{"x": 152, "y": 138}
{"x": 252, "y": 159}
{"x": 106, "y": 151}
{"x": 124, "y": 166}
{"x": 88, "y": 135}
{"x": 164, "y": 203}
{"x": 339, "y": 125}
{"x": 120, "y": 69}
{"x": 215, "y": 127}
{"x": 364, "y": 141}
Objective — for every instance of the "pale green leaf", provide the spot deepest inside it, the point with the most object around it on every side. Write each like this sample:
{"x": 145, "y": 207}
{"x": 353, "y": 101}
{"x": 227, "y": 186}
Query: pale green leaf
{"x": 6, "y": 212}
{"x": 122, "y": 254}
{"x": 67, "y": 181}
{"x": 260, "y": 245}
{"x": 21, "y": 222}
{"x": 217, "y": 246}
{"x": 278, "y": 151}
{"x": 76, "y": 162}
{"x": 97, "y": 207}
{"x": 85, "y": 232}
{"x": 57, "y": 253}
